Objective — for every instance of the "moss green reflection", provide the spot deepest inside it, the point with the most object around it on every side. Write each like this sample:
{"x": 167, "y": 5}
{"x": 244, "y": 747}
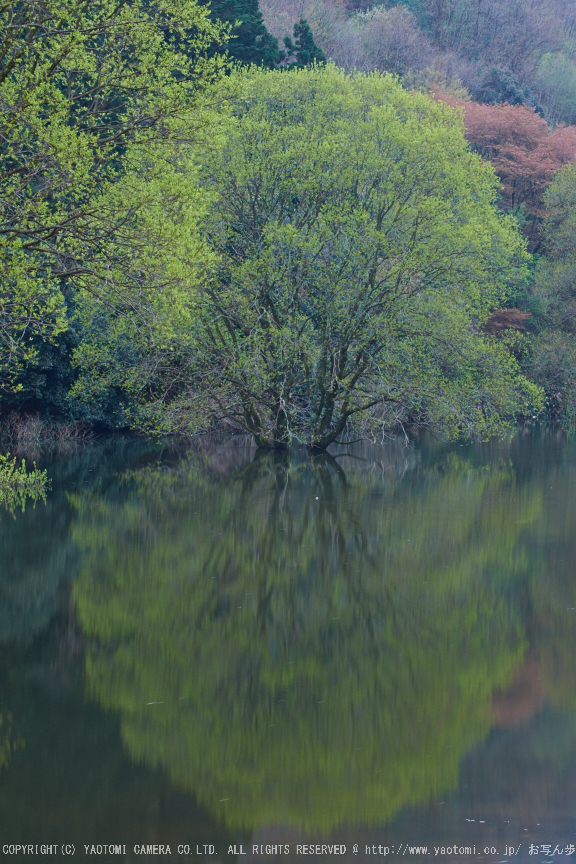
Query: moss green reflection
{"x": 8, "y": 742}
{"x": 313, "y": 646}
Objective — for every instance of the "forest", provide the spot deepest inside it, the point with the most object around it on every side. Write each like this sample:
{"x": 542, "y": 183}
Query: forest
{"x": 308, "y": 220}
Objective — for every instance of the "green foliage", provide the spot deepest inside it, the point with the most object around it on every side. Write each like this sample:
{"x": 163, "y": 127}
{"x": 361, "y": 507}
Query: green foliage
{"x": 86, "y": 92}
{"x": 304, "y": 48}
{"x": 316, "y": 647}
{"x": 31, "y": 307}
{"x": 17, "y": 484}
{"x": 560, "y": 224}
{"x": 555, "y": 80}
{"x": 553, "y": 358}
{"x": 130, "y": 330}
{"x": 343, "y": 280}
{"x": 358, "y": 253}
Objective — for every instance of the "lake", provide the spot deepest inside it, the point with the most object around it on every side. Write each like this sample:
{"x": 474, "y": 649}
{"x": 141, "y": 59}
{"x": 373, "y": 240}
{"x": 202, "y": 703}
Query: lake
{"x": 214, "y": 653}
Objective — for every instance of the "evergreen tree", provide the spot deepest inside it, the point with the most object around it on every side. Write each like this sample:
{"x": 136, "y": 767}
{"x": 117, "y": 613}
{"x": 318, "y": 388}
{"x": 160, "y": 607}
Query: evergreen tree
{"x": 250, "y": 40}
{"x": 304, "y": 47}
{"x": 500, "y": 85}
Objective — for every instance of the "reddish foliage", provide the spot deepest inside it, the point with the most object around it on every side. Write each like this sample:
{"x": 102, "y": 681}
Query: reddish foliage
{"x": 506, "y": 319}
{"x": 524, "y": 697}
{"x": 524, "y": 151}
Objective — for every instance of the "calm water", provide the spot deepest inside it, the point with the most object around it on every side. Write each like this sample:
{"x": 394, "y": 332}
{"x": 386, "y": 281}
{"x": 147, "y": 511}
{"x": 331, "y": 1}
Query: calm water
{"x": 221, "y": 649}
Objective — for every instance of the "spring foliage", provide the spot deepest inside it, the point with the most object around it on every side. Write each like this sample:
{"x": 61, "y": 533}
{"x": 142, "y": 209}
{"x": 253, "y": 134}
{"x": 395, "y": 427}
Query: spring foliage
{"x": 523, "y": 150}
{"x": 86, "y": 90}
{"x": 358, "y": 253}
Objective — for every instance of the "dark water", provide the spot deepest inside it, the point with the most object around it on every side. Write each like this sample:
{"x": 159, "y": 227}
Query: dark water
{"x": 227, "y": 651}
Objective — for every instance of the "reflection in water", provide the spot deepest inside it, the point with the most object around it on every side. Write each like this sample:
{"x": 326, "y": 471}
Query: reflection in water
{"x": 298, "y": 643}
{"x": 37, "y": 555}
{"x": 525, "y": 696}
{"x": 8, "y": 742}
{"x": 19, "y": 486}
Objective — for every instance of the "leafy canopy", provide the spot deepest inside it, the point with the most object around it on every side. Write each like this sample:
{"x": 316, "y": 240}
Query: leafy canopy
{"x": 524, "y": 152}
{"x": 359, "y": 253}
{"x": 86, "y": 90}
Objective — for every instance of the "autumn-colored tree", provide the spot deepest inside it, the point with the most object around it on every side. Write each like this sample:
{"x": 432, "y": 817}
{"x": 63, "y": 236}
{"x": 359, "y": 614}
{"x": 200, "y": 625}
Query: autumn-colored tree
{"x": 503, "y": 320}
{"x": 523, "y": 150}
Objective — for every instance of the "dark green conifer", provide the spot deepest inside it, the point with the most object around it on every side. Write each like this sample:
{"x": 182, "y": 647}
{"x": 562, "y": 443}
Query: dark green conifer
{"x": 251, "y": 42}
{"x": 304, "y": 47}
{"x": 500, "y": 85}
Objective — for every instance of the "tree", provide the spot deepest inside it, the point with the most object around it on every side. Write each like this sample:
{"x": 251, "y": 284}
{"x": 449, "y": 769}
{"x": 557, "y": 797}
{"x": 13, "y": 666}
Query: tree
{"x": 304, "y": 48}
{"x": 511, "y": 34}
{"x": 555, "y": 82}
{"x": 390, "y": 40}
{"x": 358, "y": 254}
{"x": 86, "y": 92}
{"x": 523, "y": 150}
{"x": 553, "y": 360}
{"x": 499, "y": 85}
{"x": 327, "y": 19}
{"x": 250, "y": 41}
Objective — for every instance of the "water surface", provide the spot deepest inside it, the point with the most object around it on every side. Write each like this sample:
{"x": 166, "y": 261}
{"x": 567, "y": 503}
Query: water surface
{"x": 225, "y": 648}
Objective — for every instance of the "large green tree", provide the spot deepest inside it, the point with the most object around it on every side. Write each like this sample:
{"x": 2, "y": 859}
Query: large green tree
{"x": 359, "y": 254}
{"x": 87, "y": 91}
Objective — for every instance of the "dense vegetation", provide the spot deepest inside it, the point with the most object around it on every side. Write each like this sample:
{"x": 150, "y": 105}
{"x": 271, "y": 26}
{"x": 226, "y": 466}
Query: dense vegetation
{"x": 356, "y": 251}
{"x": 291, "y": 249}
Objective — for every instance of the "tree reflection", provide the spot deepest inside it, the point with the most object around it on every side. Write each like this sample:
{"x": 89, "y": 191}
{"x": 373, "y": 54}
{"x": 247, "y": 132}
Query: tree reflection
{"x": 552, "y": 586}
{"x": 296, "y": 643}
{"x": 8, "y": 742}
